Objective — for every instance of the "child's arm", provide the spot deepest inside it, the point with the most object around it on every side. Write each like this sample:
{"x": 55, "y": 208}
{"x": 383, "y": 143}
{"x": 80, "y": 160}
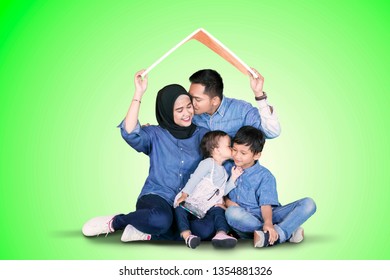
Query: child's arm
{"x": 266, "y": 212}
{"x": 201, "y": 171}
{"x": 180, "y": 199}
{"x": 231, "y": 183}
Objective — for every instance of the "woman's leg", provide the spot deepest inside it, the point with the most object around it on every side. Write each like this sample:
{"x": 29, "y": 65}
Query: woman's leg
{"x": 153, "y": 215}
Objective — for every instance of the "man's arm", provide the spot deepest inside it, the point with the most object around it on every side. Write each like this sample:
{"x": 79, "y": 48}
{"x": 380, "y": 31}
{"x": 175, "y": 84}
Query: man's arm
{"x": 269, "y": 119}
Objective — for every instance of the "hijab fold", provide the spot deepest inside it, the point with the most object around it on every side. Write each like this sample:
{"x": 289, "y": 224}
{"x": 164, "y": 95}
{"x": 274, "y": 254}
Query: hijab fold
{"x": 165, "y": 101}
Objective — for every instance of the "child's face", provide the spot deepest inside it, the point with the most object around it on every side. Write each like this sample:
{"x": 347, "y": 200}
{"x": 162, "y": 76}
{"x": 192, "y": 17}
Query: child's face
{"x": 243, "y": 157}
{"x": 224, "y": 147}
{"x": 183, "y": 111}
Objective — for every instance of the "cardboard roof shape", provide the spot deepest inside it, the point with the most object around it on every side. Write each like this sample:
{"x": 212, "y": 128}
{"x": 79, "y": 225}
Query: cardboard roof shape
{"x": 211, "y": 42}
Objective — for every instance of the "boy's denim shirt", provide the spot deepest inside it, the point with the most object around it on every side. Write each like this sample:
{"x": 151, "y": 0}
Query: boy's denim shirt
{"x": 231, "y": 115}
{"x": 254, "y": 188}
{"x": 172, "y": 160}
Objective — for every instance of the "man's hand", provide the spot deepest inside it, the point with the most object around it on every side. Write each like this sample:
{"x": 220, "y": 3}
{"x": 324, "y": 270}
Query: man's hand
{"x": 257, "y": 83}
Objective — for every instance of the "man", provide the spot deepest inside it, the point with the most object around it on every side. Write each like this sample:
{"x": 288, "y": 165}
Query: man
{"x": 217, "y": 112}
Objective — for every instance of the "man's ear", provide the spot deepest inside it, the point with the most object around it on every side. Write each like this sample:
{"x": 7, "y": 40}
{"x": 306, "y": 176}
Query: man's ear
{"x": 215, "y": 100}
{"x": 257, "y": 156}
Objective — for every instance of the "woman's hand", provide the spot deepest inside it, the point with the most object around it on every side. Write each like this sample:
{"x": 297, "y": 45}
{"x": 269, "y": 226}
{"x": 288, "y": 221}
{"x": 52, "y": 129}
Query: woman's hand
{"x": 140, "y": 84}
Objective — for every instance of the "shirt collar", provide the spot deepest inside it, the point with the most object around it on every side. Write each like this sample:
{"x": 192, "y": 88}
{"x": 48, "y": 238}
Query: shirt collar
{"x": 253, "y": 168}
{"x": 222, "y": 107}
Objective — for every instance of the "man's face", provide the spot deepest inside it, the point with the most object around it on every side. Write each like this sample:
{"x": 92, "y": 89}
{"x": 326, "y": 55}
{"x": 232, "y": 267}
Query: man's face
{"x": 201, "y": 101}
{"x": 243, "y": 157}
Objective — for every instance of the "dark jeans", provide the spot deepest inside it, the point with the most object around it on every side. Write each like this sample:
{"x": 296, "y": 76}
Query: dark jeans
{"x": 215, "y": 218}
{"x": 153, "y": 215}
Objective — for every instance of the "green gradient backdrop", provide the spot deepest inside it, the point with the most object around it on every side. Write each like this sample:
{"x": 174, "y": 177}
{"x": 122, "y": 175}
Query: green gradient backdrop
{"x": 66, "y": 72}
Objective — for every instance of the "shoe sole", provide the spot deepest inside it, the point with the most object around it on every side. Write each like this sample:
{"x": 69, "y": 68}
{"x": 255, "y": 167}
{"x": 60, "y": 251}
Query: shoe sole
{"x": 258, "y": 241}
{"x": 194, "y": 242}
{"x": 300, "y": 240}
{"x": 224, "y": 243}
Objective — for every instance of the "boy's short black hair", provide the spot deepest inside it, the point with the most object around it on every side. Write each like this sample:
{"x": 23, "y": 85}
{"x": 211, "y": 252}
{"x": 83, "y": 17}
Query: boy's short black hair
{"x": 250, "y": 136}
{"x": 211, "y": 80}
{"x": 210, "y": 141}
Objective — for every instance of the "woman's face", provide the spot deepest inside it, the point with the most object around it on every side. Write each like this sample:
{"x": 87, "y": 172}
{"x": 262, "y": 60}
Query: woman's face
{"x": 183, "y": 111}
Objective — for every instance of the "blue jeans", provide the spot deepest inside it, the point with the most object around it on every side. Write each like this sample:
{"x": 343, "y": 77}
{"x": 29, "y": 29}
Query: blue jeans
{"x": 153, "y": 215}
{"x": 215, "y": 218}
{"x": 286, "y": 219}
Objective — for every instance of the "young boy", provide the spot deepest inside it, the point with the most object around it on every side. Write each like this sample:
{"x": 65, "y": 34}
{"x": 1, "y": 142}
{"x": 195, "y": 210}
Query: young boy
{"x": 253, "y": 209}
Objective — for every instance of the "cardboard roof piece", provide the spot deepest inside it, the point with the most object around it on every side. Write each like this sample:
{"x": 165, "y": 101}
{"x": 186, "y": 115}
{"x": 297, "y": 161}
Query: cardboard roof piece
{"x": 212, "y": 43}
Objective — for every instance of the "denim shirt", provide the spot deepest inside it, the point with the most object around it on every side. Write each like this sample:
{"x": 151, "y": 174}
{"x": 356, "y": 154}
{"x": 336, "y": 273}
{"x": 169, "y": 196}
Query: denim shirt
{"x": 172, "y": 160}
{"x": 231, "y": 115}
{"x": 254, "y": 188}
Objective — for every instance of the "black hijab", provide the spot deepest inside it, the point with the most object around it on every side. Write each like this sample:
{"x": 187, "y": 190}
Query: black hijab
{"x": 166, "y": 98}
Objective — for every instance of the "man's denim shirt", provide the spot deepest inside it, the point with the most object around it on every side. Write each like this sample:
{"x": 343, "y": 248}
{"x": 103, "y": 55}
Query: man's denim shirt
{"x": 231, "y": 115}
{"x": 254, "y": 188}
{"x": 172, "y": 160}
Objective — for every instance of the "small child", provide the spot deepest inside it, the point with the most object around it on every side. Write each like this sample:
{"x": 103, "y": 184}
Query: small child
{"x": 253, "y": 207}
{"x": 205, "y": 190}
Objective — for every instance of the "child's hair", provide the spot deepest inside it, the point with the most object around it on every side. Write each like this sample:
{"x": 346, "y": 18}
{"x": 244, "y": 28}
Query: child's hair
{"x": 210, "y": 141}
{"x": 252, "y": 137}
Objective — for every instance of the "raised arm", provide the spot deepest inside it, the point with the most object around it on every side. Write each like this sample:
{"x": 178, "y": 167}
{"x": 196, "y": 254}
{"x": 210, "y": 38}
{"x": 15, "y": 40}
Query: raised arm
{"x": 269, "y": 120}
{"x": 132, "y": 114}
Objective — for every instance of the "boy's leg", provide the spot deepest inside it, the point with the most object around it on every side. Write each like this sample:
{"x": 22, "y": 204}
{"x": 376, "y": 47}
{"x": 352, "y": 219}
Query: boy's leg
{"x": 242, "y": 222}
{"x": 288, "y": 218}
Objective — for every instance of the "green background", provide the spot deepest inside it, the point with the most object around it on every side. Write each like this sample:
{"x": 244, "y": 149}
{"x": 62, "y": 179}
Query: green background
{"x": 66, "y": 81}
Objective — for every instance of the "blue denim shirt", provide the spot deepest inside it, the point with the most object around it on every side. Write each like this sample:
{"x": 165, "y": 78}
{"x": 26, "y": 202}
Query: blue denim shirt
{"x": 172, "y": 160}
{"x": 254, "y": 188}
{"x": 231, "y": 115}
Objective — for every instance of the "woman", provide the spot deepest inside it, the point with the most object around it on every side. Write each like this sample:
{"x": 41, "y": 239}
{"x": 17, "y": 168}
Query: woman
{"x": 173, "y": 148}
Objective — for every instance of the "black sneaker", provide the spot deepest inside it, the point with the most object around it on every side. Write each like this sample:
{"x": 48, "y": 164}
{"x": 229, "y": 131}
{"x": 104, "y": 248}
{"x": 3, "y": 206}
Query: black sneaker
{"x": 192, "y": 241}
{"x": 260, "y": 239}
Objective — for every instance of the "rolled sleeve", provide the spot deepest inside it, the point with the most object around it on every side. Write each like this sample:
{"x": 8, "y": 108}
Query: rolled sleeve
{"x": 139, "y": 138}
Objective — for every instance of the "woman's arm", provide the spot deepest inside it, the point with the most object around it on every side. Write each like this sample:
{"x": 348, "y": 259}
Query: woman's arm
{"x": 132, "y": 114}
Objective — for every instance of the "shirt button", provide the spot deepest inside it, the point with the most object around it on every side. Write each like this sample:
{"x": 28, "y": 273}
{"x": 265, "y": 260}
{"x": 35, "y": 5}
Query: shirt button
{"x": 180, "y": 175}
{"x": 182, "y": 161}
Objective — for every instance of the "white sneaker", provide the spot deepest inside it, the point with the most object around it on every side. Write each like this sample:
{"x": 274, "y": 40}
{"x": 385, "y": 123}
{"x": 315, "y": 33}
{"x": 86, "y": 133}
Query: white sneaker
{"x": 98, "y": 225}
{"x": 297, "y": 236}
{"x": 132, "y": 234}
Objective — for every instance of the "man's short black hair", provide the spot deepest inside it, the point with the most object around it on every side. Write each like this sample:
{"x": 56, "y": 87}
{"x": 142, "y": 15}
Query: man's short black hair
{"x": 250, "y": 136}
{"x": 211, "y": 80}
